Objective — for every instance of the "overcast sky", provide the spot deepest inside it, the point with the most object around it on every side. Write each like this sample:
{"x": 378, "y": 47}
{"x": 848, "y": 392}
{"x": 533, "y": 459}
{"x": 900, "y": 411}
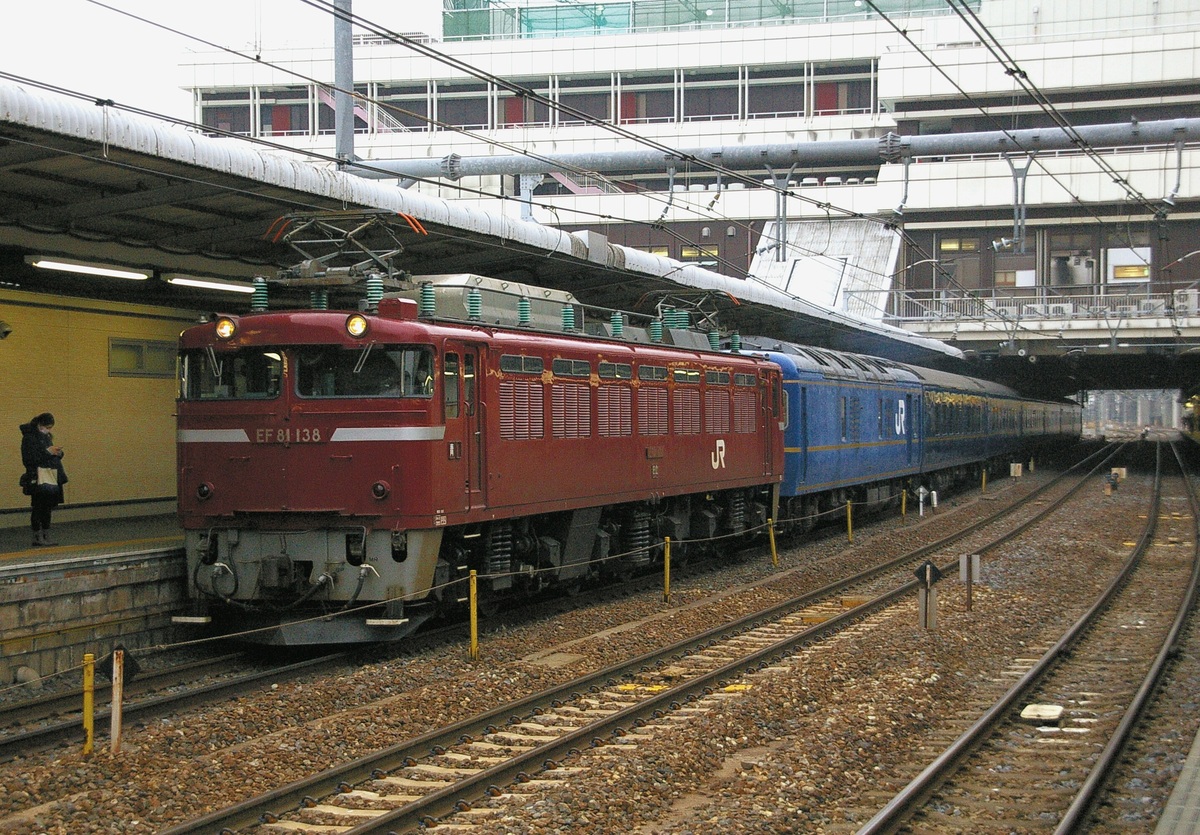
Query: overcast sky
{"x": 91, "y": 49}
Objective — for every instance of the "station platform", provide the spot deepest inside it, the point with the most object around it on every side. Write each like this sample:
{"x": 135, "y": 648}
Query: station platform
{"x": 1182, "y": 813}
{"x": 90, "y": 538}
{"x": 107, "y": 582}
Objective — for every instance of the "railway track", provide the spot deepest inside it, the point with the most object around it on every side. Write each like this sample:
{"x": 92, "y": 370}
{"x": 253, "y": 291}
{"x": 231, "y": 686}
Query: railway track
{"x": 41, "y": 724}
{"x": 529, "y": 744}
{"x": 44, "y": 722}
{"x": 1038, "y": 758}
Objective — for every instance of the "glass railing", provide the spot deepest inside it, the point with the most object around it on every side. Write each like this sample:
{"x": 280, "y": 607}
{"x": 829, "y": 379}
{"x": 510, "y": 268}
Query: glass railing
{"x": 935, "y": 307}
{"x": 634, "y": 16}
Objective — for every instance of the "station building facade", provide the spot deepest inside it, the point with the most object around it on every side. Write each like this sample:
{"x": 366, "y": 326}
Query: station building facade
{"x": 1053, "y": 235}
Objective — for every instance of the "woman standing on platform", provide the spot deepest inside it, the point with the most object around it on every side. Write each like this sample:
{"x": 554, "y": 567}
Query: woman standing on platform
{"x": 44, "y": 474}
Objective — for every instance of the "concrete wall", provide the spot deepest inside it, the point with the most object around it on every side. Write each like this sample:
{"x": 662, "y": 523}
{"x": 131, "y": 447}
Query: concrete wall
{"x": 51, "y": 616}
{"x": 117, "y": 427}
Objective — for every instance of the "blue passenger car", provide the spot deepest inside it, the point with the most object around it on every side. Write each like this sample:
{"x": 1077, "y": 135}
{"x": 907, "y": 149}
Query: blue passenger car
{"x": 863, "y": 429}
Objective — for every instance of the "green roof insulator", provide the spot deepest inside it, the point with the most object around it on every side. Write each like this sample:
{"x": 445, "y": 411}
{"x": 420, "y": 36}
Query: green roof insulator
{"x": 681, "y": 319}
{"x": 568, "y": 318}
{"x": 318, "y": 299}
{"x": 474, "y": 305}
{"x": 618, "y": 324}
{"x": 258, "y": 301}
{"x": 735, "y": 342}
{"x": 714, "y": 340}
{"x": 374, "y": 291}
{"x": 656, "y": 327}
{"x": 524, "y": 311}
{"x": 427, "y": 304}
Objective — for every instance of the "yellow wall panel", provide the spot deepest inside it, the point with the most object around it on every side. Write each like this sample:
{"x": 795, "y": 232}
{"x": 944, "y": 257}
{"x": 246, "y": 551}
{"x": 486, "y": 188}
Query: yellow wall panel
{"x": 118, "y": 431}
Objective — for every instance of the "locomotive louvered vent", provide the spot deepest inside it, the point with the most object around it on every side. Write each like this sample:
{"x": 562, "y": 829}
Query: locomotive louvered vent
{"x": 716, "y": 411}
{"x": 614, "y": 411}
{"x": 521, "y": 410}
{"x": 744, "y": 412}
{"x": 652, "y": 411}
{"x": 572, "y": 408}
{"x": 687, "y": 411}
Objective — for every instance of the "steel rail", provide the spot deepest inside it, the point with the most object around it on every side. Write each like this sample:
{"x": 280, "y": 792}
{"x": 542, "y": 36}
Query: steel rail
{"x": 1089, "y": 793}
{"x": 897, "y": 811}
{"x": 20, "y": 744}
{"x": 436, "y": 804}
{"x": 71, "y": 701}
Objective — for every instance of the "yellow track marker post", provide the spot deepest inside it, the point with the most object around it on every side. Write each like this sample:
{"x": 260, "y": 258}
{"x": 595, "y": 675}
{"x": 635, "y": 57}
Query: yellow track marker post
{"x": 771, "y": 536}
{"x": 474, "y": 607}
{"x": 666, "y": 569}
{"x": 89, "y": 703}
{"x": 849, "y": 522}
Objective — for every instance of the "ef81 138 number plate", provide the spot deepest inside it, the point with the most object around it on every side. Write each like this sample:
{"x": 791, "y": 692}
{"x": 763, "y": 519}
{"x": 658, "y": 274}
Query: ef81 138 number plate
{"x": 288, "y": 435}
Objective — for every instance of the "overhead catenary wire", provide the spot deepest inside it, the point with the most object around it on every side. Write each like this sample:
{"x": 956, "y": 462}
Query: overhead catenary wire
{"x": 1021, "y": 77}
{"x": 257, "y": 59}
{"x": 981, "y": 108}
{"x": 606, "y": 217}
{"x": 332, "y": 10}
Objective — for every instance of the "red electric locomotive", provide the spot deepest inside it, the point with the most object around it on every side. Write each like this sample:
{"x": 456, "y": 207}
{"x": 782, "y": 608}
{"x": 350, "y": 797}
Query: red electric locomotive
{"x": 341, "y": 473}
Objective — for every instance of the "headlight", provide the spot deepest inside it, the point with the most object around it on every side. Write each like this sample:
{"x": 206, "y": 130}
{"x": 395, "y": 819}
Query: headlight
{"x": 204, "y": 491}
{"x": 226, "y": 327}
{"x": 381, "y": 489}
{"x": 356, "y": 325}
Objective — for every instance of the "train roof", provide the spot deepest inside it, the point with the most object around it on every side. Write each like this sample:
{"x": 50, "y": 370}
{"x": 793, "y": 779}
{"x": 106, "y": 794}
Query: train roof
{"x": 844, "y": 366}
{"x": 832, "y": 364}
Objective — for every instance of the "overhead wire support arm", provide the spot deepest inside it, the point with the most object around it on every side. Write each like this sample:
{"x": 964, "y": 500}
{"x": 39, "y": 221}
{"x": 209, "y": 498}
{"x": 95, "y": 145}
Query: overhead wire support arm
{"x": 1018, "y": 176}
{"x": 781, "y": 195}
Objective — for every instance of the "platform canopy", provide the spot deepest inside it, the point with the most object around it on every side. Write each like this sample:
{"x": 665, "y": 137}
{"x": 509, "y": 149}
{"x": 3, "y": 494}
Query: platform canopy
{"x": 91, "y": 181}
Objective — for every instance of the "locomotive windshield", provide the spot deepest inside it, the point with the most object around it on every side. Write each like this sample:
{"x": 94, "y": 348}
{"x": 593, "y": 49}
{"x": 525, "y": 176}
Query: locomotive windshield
{"x": 248, "y": 374}
{"x": 368, "y": 371}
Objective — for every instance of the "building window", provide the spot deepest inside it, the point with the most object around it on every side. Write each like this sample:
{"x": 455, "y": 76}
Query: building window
{"x": 661, "y": 251}
{"x": 959, "y": 244}
{"x": 704, "y": 255}
{"x": 229, "y": 118}
{"x": 141, "y": 358}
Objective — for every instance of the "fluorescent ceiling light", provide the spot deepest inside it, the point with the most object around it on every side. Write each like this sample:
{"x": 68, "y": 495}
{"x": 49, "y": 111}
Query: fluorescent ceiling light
{"x": 87, "y": 268}
{"x": 209, "y": 284}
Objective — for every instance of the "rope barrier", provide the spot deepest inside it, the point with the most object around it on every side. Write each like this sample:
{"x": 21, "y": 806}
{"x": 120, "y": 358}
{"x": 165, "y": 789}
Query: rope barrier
{"x": 529, "y": 572}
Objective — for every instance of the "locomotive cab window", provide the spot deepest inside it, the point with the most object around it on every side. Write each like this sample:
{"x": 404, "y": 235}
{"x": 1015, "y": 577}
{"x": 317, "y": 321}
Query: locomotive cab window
{"x": 369, "y": 371}
{"x": 248, "y": 374}
{"x": 450, "y": 374}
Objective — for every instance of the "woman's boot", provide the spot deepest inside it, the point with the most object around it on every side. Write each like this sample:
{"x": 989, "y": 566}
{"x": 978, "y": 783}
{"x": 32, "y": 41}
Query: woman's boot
{"x": 46, "y": 537}
{"x": 38, "y": 538}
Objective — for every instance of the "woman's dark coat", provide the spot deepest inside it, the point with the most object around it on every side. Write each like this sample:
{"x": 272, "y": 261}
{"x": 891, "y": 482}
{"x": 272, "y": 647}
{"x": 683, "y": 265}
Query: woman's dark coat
{"x": 35, "y": 452}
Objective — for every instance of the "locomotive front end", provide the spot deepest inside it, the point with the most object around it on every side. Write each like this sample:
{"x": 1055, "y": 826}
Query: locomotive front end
{"x": 304, "y": 452}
